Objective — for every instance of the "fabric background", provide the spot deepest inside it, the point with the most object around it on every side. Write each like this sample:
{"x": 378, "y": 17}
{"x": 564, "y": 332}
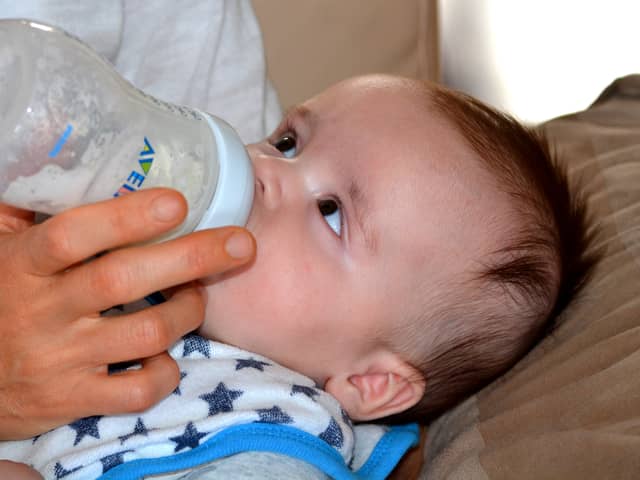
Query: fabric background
{"x": 313, "y": 44}
{"x": 571, "y": 408}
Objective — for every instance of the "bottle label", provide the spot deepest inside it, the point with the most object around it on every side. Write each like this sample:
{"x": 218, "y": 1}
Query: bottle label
{"x": 136, "y": 177}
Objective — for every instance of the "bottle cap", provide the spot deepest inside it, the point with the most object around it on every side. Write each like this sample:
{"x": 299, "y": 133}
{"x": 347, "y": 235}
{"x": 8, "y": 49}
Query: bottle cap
{"x": 233, "y": 197}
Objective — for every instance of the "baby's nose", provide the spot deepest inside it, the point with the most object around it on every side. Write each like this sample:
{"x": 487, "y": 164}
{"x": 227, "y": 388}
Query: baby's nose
{"x": 268, "y": 182}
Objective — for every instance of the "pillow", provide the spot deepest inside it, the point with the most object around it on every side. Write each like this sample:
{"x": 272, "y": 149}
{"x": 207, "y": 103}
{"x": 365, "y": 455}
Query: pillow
{"x": 312, "y": 44}
{"x": 571, "y": 408}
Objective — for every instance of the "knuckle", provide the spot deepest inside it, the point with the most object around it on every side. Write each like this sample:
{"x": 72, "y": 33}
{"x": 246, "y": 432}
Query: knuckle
{"x": 198, "y": 261}
{"x": 110, "y": 279}
{"x": 153, "y": 332}
{"x": 23, "y": 365}
{"x": 31, "y": 398}
{"x": 55, "y": 240}
{"x": 140, "y": 396}
{"x": 152, "y": 384}
{"x": 186, "y": 308}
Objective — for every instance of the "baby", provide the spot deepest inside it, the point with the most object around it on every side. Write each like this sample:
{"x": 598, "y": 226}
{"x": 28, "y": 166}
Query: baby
{"x": 413, "y": 244}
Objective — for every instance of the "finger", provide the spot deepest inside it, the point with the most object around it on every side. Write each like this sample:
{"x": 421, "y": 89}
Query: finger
{"x": 126, "y": 275}
{"x": 79, "y": 233}
{"x": 148, "y": 332}
{"x": 22, "y": 471}
{"x": 13, "y": 220}
{"x": 133, "y": 390}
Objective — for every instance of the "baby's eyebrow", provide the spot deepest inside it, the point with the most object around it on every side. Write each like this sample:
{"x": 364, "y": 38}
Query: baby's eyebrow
{"x": 299, "y": 113}
{"x": 362, "y": 210}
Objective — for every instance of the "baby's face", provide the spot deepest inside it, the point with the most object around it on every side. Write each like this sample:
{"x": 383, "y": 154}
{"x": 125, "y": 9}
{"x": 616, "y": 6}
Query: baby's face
{"x": 367, "y": 205}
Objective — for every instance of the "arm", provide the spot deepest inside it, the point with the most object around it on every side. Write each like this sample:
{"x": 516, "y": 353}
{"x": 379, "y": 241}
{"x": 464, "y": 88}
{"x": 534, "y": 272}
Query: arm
{"x": 54, "y": 345}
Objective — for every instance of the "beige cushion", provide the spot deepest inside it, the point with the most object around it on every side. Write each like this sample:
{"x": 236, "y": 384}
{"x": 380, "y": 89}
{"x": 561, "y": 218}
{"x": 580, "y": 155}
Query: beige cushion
{"x": 571, "y": 409}
{"x": 311, "y": 44}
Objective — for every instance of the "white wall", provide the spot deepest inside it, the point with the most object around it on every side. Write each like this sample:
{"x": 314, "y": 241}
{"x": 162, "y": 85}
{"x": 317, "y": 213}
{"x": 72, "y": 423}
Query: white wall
{"x": 538, "y": 58}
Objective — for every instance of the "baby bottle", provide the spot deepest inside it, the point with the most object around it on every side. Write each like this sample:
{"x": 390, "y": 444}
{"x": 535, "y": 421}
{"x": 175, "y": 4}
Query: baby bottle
{"x": 72, "y": 131}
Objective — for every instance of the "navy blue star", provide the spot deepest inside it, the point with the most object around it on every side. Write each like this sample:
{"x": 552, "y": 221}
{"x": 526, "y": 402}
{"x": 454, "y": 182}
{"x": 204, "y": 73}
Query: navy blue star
{"x": 273, "y": 415}
{"x": 333, "y": 434}
{"x": 221, "y": 399}
{"x": 113, "y": 460}
{"x": 139, "y": 429}
{"x": 61, "y": 472}
{"x": 195, "y": 343}
{"x": 189, "y": 439}
{"x": 308, "y": 391}
{"x": 86, "y": 426}
{"x": 177, "y": 391}
{"x": 251, "y": 363}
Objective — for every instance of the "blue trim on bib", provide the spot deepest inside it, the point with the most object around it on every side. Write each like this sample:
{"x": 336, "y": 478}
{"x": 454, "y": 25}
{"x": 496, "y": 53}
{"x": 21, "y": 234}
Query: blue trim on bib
{"x": 278, "y": 439}
{"x": 389, "y": 451}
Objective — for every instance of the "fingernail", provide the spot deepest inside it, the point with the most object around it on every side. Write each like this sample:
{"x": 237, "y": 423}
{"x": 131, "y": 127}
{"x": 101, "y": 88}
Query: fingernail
{"x": 239, "y": 245}
{"x": 165, "y": 208}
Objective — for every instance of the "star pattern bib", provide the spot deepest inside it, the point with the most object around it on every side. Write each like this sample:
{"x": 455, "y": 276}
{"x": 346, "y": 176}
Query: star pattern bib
{"x": 228, "y": 401}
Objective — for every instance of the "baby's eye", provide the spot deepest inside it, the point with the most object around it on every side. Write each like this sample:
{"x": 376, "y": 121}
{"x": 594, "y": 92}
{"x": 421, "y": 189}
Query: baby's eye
{"x": 287, "y": 145}
{"x": 331, "y": 210}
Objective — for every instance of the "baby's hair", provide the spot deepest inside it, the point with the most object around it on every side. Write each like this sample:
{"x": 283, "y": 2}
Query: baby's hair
{"x": 534, "y": 276}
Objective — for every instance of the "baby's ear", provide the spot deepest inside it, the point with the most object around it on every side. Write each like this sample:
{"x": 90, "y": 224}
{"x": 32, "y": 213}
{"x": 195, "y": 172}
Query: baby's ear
{"x": 378, "y": 392}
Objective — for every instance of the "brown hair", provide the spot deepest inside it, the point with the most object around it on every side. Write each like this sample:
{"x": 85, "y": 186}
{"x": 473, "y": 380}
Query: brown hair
{"x": 537, "y": 273}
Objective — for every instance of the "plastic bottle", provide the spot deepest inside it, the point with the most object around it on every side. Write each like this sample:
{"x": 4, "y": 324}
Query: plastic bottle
{"x": 73, "y": 131}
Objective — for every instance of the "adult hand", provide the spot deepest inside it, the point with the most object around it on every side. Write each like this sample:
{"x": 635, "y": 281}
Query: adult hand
{"x": 54, "y": 345}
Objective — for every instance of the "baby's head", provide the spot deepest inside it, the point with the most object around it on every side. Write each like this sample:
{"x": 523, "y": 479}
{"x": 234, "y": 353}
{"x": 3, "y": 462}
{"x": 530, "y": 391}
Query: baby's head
{"x": 412, "y": 244}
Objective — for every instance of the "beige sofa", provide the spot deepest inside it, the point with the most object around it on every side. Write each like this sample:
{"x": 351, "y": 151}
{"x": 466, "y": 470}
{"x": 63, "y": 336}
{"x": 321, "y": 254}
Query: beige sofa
{"x": 571, "y": 408}
{"x": 311, "y": 44}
